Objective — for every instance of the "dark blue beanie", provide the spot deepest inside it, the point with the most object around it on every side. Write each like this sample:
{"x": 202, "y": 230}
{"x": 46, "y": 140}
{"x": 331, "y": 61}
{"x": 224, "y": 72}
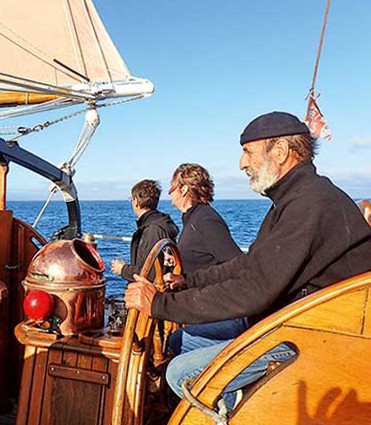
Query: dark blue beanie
{"x": 274, "y": 124}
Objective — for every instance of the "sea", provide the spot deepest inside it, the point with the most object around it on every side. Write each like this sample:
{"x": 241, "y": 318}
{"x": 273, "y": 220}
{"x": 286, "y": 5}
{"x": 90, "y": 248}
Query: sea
{"x": 116, "y": 218}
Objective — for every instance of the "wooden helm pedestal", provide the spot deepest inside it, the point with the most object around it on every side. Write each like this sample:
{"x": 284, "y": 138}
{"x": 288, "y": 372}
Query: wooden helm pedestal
{"x": 69, "y": 380}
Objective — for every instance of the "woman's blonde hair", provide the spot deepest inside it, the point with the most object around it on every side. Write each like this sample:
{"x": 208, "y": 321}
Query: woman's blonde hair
{"x": 198, "y": 180}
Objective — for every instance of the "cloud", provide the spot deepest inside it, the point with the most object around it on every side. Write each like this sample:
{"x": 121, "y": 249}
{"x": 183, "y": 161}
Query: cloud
{"x": 361, "y": 142}
{"x": 355, "y": 182}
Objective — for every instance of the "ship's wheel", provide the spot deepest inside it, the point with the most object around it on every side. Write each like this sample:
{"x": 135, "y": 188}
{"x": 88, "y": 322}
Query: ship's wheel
{"x": 143, "y": 353}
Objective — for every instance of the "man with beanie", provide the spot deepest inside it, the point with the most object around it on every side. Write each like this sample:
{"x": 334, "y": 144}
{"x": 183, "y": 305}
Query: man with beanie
{"x": 313, "y": 236}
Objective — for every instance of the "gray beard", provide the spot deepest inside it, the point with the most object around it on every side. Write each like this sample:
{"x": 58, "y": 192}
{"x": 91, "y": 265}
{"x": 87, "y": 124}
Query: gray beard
{"x": 263, "y": 179}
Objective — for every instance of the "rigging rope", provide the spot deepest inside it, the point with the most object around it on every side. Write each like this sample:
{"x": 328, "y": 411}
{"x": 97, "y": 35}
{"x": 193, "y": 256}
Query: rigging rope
{"x": 311, "y": 90}
{"x": 51, "y": 194}
{"x": 219, "y": 418}
{"x": 90, "y": 125}
{"x": 21, "y": 131}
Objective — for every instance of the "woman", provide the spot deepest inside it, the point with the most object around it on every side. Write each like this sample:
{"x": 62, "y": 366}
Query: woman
{"x": 205, "y": 240}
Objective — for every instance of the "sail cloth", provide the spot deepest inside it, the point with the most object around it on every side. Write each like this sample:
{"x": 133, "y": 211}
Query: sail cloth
{"x": 60, "y": 48}
{"x": 315, "y": 120}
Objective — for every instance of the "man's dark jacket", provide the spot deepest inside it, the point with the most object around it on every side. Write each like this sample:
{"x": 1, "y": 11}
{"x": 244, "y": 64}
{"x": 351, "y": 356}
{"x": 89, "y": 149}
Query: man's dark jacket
{"x": 152, "y": 226}
{"x": 313, "y": 236}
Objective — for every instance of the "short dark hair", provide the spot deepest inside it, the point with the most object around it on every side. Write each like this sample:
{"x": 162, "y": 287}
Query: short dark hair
{"x": 147, "y": 193}
{"x": 199, "y": 182}
{"x": 304, "y": 145}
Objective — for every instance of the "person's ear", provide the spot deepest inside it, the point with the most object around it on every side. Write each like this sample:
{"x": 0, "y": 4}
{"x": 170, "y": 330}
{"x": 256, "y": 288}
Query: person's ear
{"x": 135, "y": 202}
{"x": 184, "y": 190}
{"x": 281, "y": 150}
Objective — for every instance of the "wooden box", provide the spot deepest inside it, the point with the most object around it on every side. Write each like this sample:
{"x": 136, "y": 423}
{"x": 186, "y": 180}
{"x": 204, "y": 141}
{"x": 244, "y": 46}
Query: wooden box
{"x": 66, "y": 381}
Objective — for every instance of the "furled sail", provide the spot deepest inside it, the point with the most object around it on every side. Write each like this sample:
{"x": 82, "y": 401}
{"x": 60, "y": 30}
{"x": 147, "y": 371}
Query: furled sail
{"x": 60, "y": 50}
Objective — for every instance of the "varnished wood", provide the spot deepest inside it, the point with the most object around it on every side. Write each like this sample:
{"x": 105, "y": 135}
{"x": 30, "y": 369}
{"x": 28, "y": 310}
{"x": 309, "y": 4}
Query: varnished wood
{"x": 78, "y": 374}
{"x": 24, "y": 244}
{"x": 20, "y": 98}
{"x": 326, "y": 384}
{"x": 66, "y": 381}
{"x": 6, "y": 219}
{"x": 3, "y": 173}
{"x": 26, "y": 385}
{"x": 38, "y": 379}
{"x": 129, "y": 397}
{"x": 365, "y": 207}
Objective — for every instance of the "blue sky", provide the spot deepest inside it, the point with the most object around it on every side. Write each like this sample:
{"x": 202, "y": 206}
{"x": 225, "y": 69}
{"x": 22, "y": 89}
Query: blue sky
{"x": 217, "y": 64}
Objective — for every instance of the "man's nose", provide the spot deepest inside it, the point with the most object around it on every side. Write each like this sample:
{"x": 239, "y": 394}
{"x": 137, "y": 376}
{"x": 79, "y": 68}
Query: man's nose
{"x": 243, "y": 162}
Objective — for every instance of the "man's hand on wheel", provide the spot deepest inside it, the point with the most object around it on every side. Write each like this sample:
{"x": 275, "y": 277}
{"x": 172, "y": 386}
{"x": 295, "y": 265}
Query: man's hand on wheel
{"x": 139, "y": 294}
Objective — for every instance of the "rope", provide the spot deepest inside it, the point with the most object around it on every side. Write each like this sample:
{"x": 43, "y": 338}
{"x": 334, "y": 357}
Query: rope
{"x": 128, "y": 239}
{"x": 53, "y": 191}
{"x": 220, "y": 418}
{"x": 23, "y": 131}
{"x": 90, "y": 125}
{"x": 113, "y": 238}
{"x": 319, "y": 53}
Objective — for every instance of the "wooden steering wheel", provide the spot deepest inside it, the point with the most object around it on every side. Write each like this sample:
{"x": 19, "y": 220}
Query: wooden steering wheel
{"x": 143, "y": 341}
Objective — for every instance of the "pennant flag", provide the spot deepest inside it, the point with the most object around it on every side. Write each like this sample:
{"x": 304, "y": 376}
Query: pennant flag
{"x": 315, "y": 121}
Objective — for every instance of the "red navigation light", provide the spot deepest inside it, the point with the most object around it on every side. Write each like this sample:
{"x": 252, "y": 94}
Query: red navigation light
{"x": 38, "y": 305}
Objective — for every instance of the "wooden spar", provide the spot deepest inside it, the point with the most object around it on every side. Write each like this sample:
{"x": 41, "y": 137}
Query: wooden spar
{"x": 319, "y": 53}
{"x": 11, "y": 98}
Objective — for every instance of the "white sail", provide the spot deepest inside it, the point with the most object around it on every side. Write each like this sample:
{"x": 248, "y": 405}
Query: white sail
{"x": 61, "y": 47}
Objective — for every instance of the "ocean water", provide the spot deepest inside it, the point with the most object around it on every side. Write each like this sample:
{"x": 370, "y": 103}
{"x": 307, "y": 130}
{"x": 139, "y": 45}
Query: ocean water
{"x": 115, "y": 218}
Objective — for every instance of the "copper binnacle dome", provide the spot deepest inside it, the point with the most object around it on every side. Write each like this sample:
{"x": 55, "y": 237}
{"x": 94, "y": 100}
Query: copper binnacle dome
{"x": 72, "y": 272}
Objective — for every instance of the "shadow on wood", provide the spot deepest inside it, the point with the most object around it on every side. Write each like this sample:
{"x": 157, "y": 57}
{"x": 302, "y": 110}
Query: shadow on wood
{"x": 326, "y": 384}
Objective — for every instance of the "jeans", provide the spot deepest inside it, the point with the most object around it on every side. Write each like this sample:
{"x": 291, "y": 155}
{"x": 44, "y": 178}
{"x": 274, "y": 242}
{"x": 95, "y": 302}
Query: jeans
{"x": 192, "y": 363}
{"x": 195, "y": 336}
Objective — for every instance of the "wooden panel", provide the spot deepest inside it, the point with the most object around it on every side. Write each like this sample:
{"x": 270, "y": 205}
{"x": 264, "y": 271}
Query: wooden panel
{"x": 367, "y": 324}
{"x": 85, "y": 361}
{"x": 71, "y": 405}
{"x": 78, "y": 374}
{"x": 70, "y": 358}
{"x": 26, "y": 385}
{"x": 6, "y": 218}
{"x": 344, "y": 314}
{"x": 327, "y": 384}
{"x": 109, "y": 393}
{"x": 55, "y": 356}
{"x": 100, "y": 364}
{"x": 66, "y": 382}
{"x": 23, "y": 249}
{"x": 39, "y": 377}
{"x": 5, "y": 242}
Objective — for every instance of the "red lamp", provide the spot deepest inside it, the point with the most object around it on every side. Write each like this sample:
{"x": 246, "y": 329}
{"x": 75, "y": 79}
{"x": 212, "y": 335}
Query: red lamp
{"x": 38, "y": 305}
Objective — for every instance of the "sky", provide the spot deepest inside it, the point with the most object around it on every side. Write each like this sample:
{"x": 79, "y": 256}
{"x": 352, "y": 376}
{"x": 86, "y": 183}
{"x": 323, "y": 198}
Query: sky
{"x": 216, "y": 65}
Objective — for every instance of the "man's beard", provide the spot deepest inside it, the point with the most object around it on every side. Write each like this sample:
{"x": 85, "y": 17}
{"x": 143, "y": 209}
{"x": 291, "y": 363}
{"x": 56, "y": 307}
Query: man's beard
{"x": 264, "y": 178}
